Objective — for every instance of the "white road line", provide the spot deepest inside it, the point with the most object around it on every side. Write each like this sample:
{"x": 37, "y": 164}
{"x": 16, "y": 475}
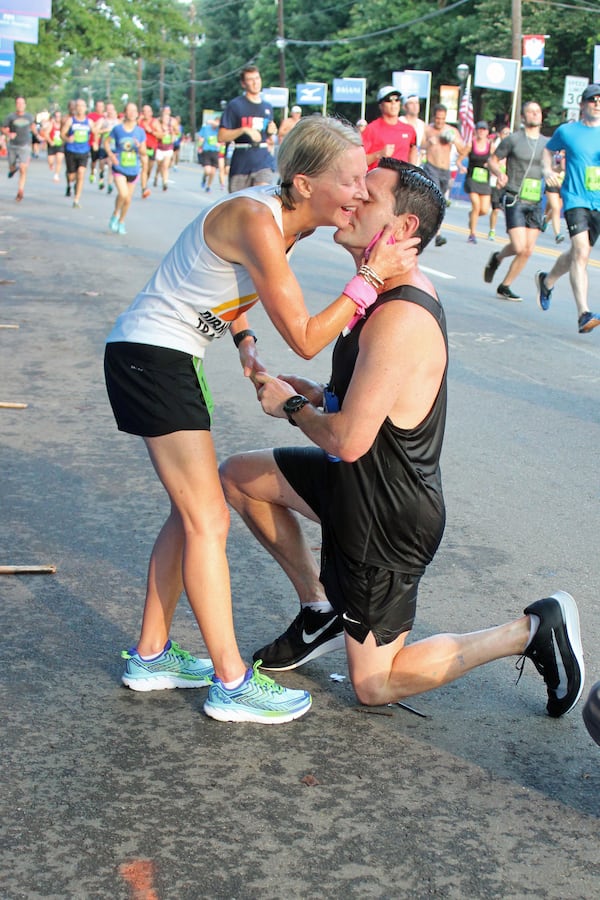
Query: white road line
{"x": 439, "y": 274}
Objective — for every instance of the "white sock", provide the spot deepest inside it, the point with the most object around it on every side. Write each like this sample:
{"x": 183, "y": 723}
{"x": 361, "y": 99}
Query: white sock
{"x": 153, "y": 655}
{"x": 321, "y": 606}
{"x": 232, "y": 685}
{"x": 534, "y": 624}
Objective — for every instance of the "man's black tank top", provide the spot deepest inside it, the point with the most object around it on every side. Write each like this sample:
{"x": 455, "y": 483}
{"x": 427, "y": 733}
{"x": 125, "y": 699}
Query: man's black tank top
{"x": 387, "y": 508}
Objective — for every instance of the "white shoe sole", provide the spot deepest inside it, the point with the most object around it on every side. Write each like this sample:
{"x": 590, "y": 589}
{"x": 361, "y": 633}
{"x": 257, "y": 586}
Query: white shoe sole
{"x": 335, "y": 643}
{"x": 244, "y": 715}
{"x": 571, "y": 616}
{"x": 161, "y": 683}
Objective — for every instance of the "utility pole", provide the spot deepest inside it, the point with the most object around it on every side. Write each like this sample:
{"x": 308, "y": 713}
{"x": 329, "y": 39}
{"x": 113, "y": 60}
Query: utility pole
{"x": 280, "y": 42}
{"x": 517, "y": 44}
{"x": 161, "y": 83}
{"x": 193, "y": 44}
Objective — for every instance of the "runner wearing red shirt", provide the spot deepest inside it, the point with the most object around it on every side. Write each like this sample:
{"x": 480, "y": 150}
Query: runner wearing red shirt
{"x": 387, "y": 135}
{"x": 149, "y": 123}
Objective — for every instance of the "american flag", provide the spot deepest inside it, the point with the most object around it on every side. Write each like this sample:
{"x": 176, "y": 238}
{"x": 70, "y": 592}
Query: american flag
{"x": 466, "y": 117}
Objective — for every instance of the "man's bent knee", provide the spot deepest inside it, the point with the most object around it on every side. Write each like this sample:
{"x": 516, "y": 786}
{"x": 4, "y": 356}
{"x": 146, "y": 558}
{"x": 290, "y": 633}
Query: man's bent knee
{"x": 230, "y": 472}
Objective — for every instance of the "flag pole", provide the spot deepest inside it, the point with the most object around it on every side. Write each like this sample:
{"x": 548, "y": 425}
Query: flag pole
{"x": 516, "y": 95}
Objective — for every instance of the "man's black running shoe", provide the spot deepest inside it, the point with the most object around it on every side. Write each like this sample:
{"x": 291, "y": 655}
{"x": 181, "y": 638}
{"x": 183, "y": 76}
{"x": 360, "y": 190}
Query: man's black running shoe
{"x": 556, "y": 651}
{"x": 491, "y": 267}
{"x": 591, "y": 713}
{"x": 311, "y": 634}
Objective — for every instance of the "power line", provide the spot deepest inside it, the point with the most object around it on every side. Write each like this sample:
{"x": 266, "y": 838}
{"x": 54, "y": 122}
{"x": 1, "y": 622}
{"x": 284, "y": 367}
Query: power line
{"x": 392, "y": 28}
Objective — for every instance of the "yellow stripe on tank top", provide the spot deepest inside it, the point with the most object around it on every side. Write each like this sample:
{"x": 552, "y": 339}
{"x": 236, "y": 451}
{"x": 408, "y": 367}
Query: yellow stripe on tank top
{"x": 233, "y": 308}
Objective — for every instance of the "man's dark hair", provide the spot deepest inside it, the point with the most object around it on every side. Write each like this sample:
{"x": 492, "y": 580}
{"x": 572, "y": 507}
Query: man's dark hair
{"x": 246, "y": 70}
{"x": 417, "y": 194}
{"x": 439, "y": 107}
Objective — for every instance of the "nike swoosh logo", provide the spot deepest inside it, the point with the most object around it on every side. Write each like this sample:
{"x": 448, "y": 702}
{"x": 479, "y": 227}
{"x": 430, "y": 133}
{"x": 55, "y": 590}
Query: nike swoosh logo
{"x": 347, "y": 618}
{"x": 311, "y": 638}
{"x": 563, "y": 681}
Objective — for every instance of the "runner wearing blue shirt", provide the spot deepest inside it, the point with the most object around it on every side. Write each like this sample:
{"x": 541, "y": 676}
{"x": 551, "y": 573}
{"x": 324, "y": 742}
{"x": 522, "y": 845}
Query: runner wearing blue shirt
{"x": 77, "y": 132}
{"x": 247, "y": 121}
{"x": 581, "y": 200}
{"x": 124, "y": 146}
{"x": 208, "y": 152}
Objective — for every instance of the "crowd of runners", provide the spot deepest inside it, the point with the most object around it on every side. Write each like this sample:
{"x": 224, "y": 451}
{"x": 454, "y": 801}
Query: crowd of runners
{"x": 116, "y": 151}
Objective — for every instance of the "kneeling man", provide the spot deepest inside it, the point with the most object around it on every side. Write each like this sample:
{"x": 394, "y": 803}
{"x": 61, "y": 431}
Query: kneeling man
{"x": 373, "y": 482}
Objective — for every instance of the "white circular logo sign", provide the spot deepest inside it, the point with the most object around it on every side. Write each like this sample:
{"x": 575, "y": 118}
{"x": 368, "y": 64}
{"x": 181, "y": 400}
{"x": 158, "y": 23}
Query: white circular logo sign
{"x": 495, "y": 73}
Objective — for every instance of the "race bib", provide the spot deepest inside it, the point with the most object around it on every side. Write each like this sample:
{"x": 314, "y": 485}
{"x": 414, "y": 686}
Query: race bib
{"x": 480, "y": 175}
{"x": 128, "y": 159}
{"x": 531, "y": 190}
{"x": 80, "y": 136}
{"x": 592, "y": 178}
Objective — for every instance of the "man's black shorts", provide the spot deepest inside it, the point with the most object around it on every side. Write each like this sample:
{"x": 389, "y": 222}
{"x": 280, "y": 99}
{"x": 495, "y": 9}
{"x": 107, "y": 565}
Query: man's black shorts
{"x": 74, "y": 161}
{"x": 580, "y": 219}
{"x": 522, "y": 215}
{"x": 367, "y": 598}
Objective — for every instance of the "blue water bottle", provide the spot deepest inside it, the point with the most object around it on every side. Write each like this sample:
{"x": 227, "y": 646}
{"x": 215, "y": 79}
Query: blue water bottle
{"x": 331, "y": 404}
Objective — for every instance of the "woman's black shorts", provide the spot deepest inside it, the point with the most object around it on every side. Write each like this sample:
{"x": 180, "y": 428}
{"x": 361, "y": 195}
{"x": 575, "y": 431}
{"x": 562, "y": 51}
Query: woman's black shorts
{"x": 155, "y": 391}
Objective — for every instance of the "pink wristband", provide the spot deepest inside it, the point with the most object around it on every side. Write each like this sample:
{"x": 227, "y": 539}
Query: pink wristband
{"x": 360, "y": 293}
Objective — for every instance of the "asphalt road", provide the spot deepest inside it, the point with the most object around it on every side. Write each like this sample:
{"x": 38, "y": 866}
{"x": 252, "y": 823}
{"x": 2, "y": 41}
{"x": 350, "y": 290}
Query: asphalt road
{"x": 112, "y": 794}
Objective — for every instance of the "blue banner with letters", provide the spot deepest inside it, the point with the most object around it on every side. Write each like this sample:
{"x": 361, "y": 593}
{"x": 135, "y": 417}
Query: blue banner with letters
{"x": 7, "y": 65}
{"x": 349, "y": 90}
{"x": 412, "y": 82}
{"x": 40, "y": 8}
{"x": 278, "y": 97}
{"x": 19, "y": 28}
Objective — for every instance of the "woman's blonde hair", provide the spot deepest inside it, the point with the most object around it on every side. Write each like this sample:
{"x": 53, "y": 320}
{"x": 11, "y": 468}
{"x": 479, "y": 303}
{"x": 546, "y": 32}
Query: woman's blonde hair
{"x": 310, "y": 148}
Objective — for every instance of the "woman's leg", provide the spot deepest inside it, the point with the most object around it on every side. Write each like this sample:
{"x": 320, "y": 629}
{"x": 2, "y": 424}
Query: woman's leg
{"x": 190, "y": 551}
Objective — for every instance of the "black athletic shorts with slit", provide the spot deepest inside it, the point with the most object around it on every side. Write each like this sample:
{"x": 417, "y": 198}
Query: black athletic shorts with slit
{"x": 155, "y": 391}
{"x": 366, "y": 597}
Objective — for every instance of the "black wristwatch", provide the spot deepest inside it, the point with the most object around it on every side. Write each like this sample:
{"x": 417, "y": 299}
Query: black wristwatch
{"x": 293, "y": 405}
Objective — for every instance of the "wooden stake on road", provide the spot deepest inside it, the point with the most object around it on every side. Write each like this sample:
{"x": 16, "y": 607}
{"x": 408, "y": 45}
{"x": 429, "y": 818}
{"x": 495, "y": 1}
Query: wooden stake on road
{"x": 27, "y": 570}
{"x": 4, "y": 404}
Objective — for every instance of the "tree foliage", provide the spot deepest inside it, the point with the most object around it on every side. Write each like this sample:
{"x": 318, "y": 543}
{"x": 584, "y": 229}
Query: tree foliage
{"x": 327, "y": 39}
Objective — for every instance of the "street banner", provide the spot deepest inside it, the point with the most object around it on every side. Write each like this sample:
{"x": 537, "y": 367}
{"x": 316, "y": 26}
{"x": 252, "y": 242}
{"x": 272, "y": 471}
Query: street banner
{"x": 349, "y": 90}
{"x": 414, "y": 83}
{"x": 534, "y": 46}
{"x": 496, "y": 73}
{"x": 313, "y": 93}
{"x": 19, "y": 28}
{"x": 7, "y": 65}
{"x": 449, "y": 98}
{"x": 278, "y": 97}
{"x": 40, "y": 8}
